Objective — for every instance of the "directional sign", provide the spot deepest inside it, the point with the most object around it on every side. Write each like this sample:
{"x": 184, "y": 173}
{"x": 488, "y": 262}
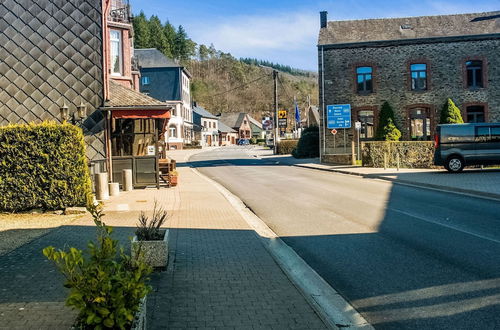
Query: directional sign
{"x": 338, "y": 115}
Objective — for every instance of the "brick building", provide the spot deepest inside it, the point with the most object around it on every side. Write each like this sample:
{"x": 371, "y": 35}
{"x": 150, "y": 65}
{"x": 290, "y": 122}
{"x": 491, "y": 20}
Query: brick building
{"x": 414, "y": 63}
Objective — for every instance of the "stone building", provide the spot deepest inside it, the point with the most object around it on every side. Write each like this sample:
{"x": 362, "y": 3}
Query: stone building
{"x": 415, "y": 64}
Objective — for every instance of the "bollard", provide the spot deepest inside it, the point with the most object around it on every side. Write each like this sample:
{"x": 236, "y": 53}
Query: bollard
{"x": 127, "y": 180}
{"x": 101, "y": 186}
{"x": 114, "y": 189}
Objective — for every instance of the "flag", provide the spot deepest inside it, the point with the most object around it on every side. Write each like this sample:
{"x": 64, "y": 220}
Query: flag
{"x": 297, "y": 114}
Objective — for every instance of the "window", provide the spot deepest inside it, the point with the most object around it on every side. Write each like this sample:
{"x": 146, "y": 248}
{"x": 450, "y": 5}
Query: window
{"x": 115, "y": 38}
{"x": 364, "y": 79}
{"x": 474, "y": 74}
{"x": 366, "y": 119}
{"x": 482, "y": 134}
{"x": 420, "y": 124}
{"x": 475, "y": 114}
{"x": 131, "y": 137}
{"x": 172, "y": 132}
{"x": 495, "y": 134}
{"x": 418, "y": 73}
{"x": 145, "y": 80}
{"x": 205, "y": 123}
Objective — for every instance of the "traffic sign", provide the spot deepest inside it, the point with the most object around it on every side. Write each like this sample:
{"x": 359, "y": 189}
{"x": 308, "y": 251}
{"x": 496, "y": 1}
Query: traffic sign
{"x": 338, "y": 115}
{"x": 334, "y": 131}
{"x": 357, "y": 125}
{"x": 282, "y": 119}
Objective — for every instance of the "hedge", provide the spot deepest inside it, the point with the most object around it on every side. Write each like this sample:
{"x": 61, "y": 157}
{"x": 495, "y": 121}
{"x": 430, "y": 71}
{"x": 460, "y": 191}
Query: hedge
{"x": 286, "y": 147}
{"x": 308, "y": 145}
{"x": 412, "y": 154}
{"x": 43, "y": 166}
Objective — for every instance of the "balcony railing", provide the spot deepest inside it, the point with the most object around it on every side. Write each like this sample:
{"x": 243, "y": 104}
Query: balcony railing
{"x": 120, "y": 11}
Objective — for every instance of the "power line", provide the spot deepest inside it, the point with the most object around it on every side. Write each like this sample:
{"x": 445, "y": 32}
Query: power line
{"x": 237, "y": 87}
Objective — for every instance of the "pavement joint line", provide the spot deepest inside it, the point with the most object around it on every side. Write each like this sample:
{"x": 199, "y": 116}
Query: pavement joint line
{"x": 332, "y": 308}
{"x": 429, "y": 186}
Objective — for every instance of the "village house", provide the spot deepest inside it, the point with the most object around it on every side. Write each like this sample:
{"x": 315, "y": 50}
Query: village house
{"x": 240, "y": 122}
{"x": 415, "y": 64}
{"x": 166, "y": 80}
{"x": 67, "y": 60}
{"x": 227, "y": 135}
{"x": 206, "y": 127}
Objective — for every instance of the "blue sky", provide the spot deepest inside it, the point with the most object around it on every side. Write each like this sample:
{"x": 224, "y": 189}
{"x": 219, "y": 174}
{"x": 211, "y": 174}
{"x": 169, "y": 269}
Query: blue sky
{"x": 285, "y": 31}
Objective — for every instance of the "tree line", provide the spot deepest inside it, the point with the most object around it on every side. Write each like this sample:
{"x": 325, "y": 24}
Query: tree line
{"x": 277, "y": 66}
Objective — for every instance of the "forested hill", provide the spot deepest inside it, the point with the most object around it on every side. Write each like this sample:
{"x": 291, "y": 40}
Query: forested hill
{"x": 222, "y": 83}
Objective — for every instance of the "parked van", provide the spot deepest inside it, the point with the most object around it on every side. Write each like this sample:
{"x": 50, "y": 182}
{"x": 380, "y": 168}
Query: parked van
{"x": 460, "y": 145}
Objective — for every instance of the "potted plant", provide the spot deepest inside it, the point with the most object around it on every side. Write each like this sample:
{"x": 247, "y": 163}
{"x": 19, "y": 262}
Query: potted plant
{"x": 150, "y": 240}
{"x": 173, "y": 177}
{"x": 107, "y": 287}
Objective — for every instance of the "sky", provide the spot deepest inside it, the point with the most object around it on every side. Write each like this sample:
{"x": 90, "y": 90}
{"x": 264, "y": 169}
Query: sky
{"x": 285, "y": 32}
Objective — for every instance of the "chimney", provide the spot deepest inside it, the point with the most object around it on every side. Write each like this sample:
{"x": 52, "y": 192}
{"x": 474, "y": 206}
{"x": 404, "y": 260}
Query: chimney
{"x": 323, "y": 19}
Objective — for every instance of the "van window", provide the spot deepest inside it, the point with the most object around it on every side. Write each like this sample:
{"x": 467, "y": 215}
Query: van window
{"x": 457, "y": 134}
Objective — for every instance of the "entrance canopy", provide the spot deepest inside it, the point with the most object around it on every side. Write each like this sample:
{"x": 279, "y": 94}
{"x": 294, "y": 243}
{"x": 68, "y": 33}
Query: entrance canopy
{"x": 141, "y": 114}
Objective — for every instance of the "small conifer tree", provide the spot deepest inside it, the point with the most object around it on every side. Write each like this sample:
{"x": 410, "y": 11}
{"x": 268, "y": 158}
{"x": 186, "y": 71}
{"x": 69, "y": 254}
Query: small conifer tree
{"x": 391, "y": 132}
{"x": 386, "y": 113}
{"x": 450, "y": 113}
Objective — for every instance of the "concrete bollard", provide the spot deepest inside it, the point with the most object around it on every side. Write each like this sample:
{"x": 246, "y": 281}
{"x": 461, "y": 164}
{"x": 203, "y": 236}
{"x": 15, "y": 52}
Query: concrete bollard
{"x": 101, "y": 186}
{"x": 127, "y": 180}
{"x": 114, "y": 189}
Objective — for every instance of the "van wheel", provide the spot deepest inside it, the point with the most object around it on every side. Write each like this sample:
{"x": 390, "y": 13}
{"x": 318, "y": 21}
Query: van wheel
{"x": 455, "y": 164}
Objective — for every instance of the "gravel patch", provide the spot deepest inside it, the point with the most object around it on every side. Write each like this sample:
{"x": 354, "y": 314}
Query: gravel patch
{"x": 19, "y": 229}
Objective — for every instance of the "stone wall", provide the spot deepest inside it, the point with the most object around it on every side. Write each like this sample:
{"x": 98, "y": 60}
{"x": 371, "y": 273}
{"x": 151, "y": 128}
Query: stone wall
{"x": 392, "y": 82}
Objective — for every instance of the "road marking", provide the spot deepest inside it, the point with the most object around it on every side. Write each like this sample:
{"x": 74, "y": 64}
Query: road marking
{"x": 445, "y": 225}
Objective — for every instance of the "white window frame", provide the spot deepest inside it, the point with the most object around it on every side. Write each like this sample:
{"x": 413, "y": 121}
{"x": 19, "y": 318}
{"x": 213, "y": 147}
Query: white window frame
{"x": 114, "y": 40}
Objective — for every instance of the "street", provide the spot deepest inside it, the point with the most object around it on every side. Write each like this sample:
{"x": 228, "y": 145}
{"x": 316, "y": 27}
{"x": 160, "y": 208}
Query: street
{"x": 404, "y": 257}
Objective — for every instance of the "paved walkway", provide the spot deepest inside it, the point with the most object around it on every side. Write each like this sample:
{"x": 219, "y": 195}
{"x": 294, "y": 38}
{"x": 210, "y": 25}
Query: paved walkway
{"x": 219, "y": 274}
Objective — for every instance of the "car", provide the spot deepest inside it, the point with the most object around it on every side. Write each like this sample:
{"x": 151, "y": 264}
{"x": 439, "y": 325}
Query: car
{"x": 243, "y": 142}
{"x": 460, "y": 145}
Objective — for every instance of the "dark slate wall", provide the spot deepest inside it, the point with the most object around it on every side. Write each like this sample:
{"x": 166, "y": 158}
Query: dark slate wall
{"x": 164, "y": 83}
{"x": 50, "y": 53}
{"x": 391, "y": 79}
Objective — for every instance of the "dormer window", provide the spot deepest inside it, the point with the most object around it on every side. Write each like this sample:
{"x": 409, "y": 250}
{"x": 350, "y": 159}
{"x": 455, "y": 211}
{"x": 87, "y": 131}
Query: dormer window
{"x": 116, "y": 56}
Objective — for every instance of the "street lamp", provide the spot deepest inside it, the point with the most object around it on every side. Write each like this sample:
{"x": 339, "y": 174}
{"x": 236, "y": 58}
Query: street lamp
{"x": 64, "y": 112}
{"x": 76, "y": 117}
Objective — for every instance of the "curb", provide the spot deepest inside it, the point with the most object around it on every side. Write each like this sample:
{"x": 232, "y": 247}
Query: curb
{"x": 330, "y": 306}
{"x": 458, "y": 191}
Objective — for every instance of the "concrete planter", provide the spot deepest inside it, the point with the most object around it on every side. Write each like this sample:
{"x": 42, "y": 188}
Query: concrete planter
{"x": 155, "y": 252}
{"x": 140, "y": 317}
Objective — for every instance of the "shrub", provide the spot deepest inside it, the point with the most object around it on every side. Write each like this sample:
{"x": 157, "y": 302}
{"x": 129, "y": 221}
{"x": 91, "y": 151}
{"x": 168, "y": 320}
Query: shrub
{"x": 286, "y": 147}
{"x": 43, "y": 166}
{"x": 450, "y": 114}
{"x": 261, "y": 140}
{"x": 149, "y": 230}
{"x": 412, "y": 154}
{"x": 386, "y": 113}
{"x": 106, "y": 286}
{"x": 253, "y": 140}
{"x": 391, "y": 133}
{"x": 308, "y": 145}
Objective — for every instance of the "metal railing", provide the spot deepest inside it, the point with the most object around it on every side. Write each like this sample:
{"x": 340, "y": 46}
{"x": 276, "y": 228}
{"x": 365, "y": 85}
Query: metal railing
{"x": 120, "y": 11}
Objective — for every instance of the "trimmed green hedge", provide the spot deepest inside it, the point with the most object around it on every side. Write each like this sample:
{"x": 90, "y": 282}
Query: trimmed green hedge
{"x": 412, "y": 154}
{"x": 43, "y": 166}
{"x": 286, "y": 147}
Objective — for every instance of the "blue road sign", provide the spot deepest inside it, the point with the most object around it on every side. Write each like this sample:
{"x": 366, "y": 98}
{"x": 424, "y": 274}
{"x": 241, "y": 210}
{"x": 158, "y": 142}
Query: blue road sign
{"x": 338, "y": 116}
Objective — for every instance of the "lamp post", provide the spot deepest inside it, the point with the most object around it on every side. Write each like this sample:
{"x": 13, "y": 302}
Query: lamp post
{"x": 76, "y": 117}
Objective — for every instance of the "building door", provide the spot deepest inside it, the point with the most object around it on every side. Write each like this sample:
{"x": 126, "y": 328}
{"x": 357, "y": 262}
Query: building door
{"x": 420, "y": 124}
{"x": 366, "y": 118}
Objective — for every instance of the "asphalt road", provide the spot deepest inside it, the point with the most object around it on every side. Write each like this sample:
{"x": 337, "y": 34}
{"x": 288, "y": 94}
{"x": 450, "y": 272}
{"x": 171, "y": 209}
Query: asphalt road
{"x": 405, "y": 257}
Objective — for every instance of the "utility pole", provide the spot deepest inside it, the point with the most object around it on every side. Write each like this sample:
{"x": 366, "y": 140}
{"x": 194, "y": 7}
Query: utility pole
{"x": 276, "y": 129}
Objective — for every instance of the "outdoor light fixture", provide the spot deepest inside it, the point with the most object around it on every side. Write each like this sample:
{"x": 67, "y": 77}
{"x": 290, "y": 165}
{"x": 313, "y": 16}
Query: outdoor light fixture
{"x": 64, "y": 112}
{"x": 81, "y": 110}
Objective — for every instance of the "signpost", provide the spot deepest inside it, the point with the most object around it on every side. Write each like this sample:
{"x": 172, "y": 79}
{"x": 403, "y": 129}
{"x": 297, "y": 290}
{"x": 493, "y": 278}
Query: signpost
{"x": 357, "y": 125}
{"x": 282, "y": 119}
{"x": 338, "y": 116}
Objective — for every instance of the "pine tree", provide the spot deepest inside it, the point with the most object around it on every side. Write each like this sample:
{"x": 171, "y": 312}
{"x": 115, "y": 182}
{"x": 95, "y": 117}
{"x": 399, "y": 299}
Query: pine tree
{"x": 450, "y": 114}
{"x": 386, "y": 113}
{"x": 391, "y": 132}
{"x": 184, "y": 47}
{"x": 141, "y": 31}
{"x": 169, "y": 32}
{"x": 157, "y": 36}
{"x": 203, "y": 53}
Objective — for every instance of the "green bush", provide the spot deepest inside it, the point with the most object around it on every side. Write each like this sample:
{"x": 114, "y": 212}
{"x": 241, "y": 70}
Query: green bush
{"x": 386, "y": 114}
{"x": 106, "y": 285}
{"x": 253, "y": 140}
{"x": 450, "y": 114}
{"x": 261, "y": 140}
{"x": 412, "y": 154}
{"x": 391, "y": 132}
{"x": 43, "y": 166}
{"x": 308, "y": 145}
{"x": 285, "y": 147}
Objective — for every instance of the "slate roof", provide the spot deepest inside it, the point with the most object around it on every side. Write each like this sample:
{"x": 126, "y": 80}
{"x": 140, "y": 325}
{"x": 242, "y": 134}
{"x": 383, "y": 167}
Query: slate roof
{"x": 339, "y": 32}
{"x": 153, "y": 58}
{"x": 233, "y": 120}
{"x": 203, "y": 113}
{"x": 124, "y": 97}
{"x": 255, "y": 122}
{"x": 223, "y": 128}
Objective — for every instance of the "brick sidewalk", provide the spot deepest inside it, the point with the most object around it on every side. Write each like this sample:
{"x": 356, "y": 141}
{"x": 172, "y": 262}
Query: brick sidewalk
{"x": 219, "y": 275}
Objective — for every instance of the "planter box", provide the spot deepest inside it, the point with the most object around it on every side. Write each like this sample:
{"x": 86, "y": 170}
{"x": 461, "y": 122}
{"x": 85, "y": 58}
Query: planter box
{"x": 140, "y": 318}
{"x": 155, "y": 252}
